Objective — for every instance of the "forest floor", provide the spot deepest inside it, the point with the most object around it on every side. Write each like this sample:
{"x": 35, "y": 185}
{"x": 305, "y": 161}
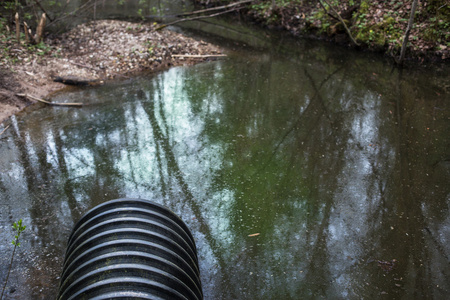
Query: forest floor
{"x": 100, "y": 50}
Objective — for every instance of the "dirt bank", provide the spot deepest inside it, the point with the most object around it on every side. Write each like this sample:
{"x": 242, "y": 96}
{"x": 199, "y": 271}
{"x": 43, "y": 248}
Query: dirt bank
{"x": 100, "y": 50}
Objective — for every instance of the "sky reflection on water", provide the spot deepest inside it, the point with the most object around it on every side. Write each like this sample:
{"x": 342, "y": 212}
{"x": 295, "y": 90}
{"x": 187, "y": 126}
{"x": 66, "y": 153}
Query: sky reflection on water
{"x": 299, "y": 178}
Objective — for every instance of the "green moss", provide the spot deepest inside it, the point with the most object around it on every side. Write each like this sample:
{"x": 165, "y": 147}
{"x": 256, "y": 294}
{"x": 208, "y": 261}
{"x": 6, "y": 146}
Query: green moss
{"x": 389, "y": 21}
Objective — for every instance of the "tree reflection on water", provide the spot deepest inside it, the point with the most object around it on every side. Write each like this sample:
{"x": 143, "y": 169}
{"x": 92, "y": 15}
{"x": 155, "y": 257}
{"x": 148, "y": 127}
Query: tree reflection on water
{"x": 340, "y": 167}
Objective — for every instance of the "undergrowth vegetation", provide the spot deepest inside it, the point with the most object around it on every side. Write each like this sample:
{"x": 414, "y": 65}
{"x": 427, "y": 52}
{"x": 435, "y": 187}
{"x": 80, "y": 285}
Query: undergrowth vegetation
{"x": 17, "y": 19}
{"x": 377, "y": 25}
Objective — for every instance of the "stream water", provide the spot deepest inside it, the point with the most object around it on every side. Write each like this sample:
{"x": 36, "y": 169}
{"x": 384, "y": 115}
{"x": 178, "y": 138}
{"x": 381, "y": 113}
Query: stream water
{"x": 303, "y": 171}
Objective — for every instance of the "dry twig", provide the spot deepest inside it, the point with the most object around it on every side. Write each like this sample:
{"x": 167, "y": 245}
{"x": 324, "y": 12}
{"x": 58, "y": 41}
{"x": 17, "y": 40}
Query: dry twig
{"x": 4, "y": 129}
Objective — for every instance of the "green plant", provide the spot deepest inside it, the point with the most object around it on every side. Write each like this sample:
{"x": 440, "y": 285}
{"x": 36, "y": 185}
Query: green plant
{"x": 18, "y": 229}
{"x": 40, "y": 49}
{"x": 11, "y": 5}
{"x": 140, "y": 14}
{"x": 15, "y": 6}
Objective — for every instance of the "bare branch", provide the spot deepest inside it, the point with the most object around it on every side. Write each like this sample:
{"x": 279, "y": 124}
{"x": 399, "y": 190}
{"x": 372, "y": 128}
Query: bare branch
{"x": 341, "y": 20}
{"x": 43, "y": 10}
{"x": 197, "y": 18}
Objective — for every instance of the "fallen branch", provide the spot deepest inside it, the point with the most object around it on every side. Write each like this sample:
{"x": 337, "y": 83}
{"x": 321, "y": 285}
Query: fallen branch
{"x": 340, "y": 19}
{"x": 48, "y": 102}
{"x": 72, "y": 80}
{"x": 198, "y": 56}
{"x": 214, "y": 8}
{"x": 326, "y": 11}
{"x": 197, "y": 18}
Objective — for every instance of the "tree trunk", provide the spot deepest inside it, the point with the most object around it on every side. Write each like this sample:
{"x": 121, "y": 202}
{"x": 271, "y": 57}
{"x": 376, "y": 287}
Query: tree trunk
{"x": 408, "y": 30}
{"x": 40, "y": 30}
{"x": 16, "y": 18}
{"x": 27, "y": 35}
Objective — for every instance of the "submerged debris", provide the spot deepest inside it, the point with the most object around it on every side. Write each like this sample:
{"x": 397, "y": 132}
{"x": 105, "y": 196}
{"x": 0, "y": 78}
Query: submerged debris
{"x": 387, "y": 266}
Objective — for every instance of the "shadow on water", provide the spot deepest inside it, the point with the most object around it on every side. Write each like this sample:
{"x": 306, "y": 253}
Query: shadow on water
{"x": 302, "y": 173}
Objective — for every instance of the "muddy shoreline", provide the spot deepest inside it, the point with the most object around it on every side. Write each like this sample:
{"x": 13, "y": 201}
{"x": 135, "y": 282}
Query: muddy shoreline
{"x": 99, "y": 50}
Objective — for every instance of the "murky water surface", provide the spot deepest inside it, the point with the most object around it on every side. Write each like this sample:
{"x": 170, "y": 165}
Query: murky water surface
{"x": 302, "y": 173}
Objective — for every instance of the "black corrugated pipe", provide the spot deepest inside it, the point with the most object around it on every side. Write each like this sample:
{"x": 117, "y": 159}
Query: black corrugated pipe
{"x": 130, "y": 248}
